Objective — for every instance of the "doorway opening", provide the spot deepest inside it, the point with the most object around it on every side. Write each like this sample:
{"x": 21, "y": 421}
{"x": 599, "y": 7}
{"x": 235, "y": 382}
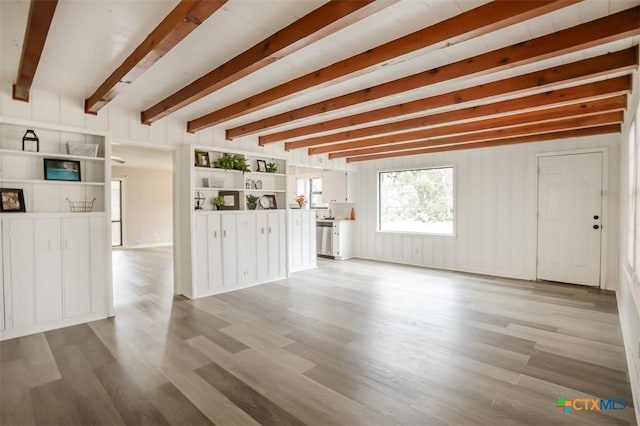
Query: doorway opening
{"x": 142, "y": 224}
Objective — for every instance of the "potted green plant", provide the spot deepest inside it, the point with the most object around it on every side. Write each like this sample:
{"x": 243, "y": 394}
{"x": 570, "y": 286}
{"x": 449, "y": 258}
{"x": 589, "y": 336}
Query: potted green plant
{"x": 272, "y": 167}
{"x": 217, "y": 202}
{"x": 252, "y": 201}
{"x": 226, "y": 161}
{"x": 240, "y": 163}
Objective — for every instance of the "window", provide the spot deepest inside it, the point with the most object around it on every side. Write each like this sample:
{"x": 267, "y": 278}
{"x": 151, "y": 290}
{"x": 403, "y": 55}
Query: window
{"x": 116, "y": 213}
{"x": 316, "y": 192}
{"x": 417, "y": 201}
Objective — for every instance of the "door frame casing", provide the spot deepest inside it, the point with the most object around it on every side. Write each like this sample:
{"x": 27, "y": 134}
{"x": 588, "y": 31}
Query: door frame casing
{"x": 604, "y": 236}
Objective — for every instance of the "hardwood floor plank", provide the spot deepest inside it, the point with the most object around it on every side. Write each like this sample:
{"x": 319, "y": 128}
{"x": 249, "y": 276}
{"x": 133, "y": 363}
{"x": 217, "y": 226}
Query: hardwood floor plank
{"x": 54, "y": 404}
{"x": 253, "y": 403}
{"x": 16, "y": 406}
{"x": 131, "y": 403}
{"x": 213, "y": 404}
{"x": 90, "y": 401}
{"x": 348, "y": 343}
{"x": 177, "y": 408}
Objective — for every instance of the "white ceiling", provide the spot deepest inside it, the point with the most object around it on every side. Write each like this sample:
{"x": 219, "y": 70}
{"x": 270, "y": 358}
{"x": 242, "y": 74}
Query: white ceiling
{"x": 142, "y": 157}
{"x": 89, "y": 38}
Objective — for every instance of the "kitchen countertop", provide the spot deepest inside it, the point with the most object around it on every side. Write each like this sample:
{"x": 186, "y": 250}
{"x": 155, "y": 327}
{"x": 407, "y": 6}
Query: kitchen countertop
{"x": 334, "y": 220}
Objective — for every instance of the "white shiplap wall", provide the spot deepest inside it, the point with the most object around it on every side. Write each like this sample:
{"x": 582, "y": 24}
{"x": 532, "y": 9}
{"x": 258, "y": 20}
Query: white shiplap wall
{"x": 496, "y": 208}
{"x": 123, "y": 125}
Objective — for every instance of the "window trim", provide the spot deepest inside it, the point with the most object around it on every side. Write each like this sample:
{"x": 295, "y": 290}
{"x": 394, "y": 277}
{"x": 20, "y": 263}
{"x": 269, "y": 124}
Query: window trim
{"x": 454, "y": 194}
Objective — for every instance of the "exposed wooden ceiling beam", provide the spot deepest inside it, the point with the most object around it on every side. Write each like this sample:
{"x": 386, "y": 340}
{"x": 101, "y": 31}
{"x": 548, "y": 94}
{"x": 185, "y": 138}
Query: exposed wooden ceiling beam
{"x": 520, "y": 122}
{"x": 40, "y": 17}
{"x": 540, "y": 101}
{"x": 611, "y": 117}
{"x": 610, "y": 28}
{"x": 612, "y": 63}
{"x": 591, "y": 131}
{"x": 178, "y": 24}
{"x": 320, "y": 23}
{"x": 481, "y": 20}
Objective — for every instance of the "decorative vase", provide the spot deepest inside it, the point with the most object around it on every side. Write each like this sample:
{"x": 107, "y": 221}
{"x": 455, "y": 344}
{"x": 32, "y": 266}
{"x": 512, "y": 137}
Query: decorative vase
{"x": 252, "y": 206}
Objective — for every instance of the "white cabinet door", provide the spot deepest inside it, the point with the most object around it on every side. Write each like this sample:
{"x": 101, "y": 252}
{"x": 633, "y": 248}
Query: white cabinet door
{"x": 201, "y": 256}
{"x": 263, "y": 248}
{"x": 247, "y": 248}
{"x": 307, "y": 230}
{"x": 19, "y": 276}
{"x": 214, "y": 248}
{"x": 48, "y": 274}
{"x": 334, "y": 186}
{"x": 99, "y": 272}
{"x": 75, "y": 267}
{"x": 295, "y": 240}
{"x": 276, "y": 243}
{"x": 229, "y": 250}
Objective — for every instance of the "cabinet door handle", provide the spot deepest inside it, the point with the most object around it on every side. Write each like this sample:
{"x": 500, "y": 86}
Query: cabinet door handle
{"x": 215, "y": 234}
{"x": 224, "y": 234}
{"x": 262, "y": 230}
{"x": 269, "y": 229}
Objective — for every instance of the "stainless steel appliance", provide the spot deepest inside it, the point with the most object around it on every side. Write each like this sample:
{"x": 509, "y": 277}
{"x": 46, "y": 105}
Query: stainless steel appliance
{"x": 324, "y": 238}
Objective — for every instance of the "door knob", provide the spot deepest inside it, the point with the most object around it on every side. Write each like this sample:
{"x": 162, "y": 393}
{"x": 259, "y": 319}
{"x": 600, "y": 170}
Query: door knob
{"x": 596, "y": 217}
{"x": 596, "y": 227}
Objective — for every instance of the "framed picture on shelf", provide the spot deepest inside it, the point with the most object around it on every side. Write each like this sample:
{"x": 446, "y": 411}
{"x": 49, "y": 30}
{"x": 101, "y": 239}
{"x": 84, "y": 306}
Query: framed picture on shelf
{"x": 231, "y": 200}
{"x": 268, "y": 202}
{"x": 262, "y": 166}
{"x": 12, "y": 200}
{"x": 202, "y": 159}
{"x": 67, "y": 170}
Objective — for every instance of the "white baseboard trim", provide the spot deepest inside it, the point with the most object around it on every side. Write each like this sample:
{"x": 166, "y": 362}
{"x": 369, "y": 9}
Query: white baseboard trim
{"x": 143, "y": 246}
{"x": 455, "y": 269}
{"x": 48, "y": 326}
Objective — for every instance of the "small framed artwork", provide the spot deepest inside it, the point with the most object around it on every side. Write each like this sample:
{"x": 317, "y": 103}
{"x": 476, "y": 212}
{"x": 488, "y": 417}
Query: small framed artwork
{"x": 202, "y": 159}
{"x": 12, "y": 200}
{"x": 262, "y": 166}
{"x": 268, "y": 202}
{"x": 231, "y": 200}
{"x": 67, "y": 170}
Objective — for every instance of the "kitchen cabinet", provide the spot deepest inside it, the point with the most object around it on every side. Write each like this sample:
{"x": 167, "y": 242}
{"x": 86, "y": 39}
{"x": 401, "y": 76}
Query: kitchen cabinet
{"x": 302, "y": 240}
{"x": 334, "y": 187}
{"x": 51, "y": 274}
{"x": 343, "y": 239}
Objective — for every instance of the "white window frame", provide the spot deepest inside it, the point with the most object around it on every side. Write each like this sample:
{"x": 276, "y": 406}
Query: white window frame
{"x": 454, "y": 190}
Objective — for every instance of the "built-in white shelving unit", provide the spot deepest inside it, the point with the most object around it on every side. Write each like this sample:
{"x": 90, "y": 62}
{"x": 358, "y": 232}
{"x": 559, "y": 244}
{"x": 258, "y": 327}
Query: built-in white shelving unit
{"x": 55, "y": 262}
{"x": 234, "y": 247}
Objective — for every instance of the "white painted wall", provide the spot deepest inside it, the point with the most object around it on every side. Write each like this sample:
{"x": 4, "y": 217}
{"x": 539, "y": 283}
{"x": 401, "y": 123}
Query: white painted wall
{"x": 496, "y": 206}
{"x": 148, "y": 206}
{"x": 124, "y": 125}
{"x": 629, "y": 292}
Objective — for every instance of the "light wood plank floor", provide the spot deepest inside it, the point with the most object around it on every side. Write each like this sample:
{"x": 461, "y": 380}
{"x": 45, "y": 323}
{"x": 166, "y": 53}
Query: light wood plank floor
{"x": 349, "y": 343}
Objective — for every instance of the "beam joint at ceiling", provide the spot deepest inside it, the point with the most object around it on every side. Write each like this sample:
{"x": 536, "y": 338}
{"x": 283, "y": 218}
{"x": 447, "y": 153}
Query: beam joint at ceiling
{"x": 552, "y": 136}
{"x": 481, "y": 20}
{"x": 614, "y": 27}
{"x": 526, "y": 129}
{"x": 40, "y": 16}
{"x": 320, "y": 23}
{"x": 174, "y": 28}
{"x": 587, "y": 69}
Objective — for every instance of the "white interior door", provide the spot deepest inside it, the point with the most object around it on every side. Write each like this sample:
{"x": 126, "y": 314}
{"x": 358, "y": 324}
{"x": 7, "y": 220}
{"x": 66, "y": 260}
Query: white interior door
{"x": 570, "y": 218}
